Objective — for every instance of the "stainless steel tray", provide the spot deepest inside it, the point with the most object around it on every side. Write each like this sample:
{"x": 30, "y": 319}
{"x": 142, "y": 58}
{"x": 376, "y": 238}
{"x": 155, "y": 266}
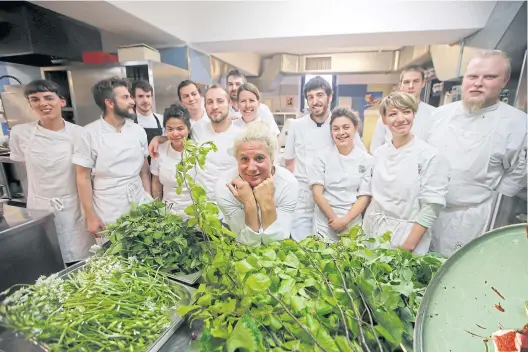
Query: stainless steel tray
{"x": 177, "y": 320}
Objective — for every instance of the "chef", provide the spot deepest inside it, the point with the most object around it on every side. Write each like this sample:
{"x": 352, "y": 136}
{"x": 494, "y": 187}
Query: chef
{"x": 306, "y": 136}
{"x": 176, "y": 122}
{"x": 484, "y": 141}
{"x": 46, "y": 148}
{"x": 409, "y": 180}
{"x": 257, "y": 198}
{"x": 190, "y": 96}
{"x": 112, "y": 149}
{"x": 339, "y": 177}
{"x": 412, "y": 81}
{"x": 248, "y": 99}
{"x": 142, "y": 94}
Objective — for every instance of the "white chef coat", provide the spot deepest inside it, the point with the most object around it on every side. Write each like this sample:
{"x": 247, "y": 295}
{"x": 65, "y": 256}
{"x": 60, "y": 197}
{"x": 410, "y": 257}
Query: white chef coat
{"x": 116, "y": 159}
{"x": 219, "y": 162}
{"x": 383, "y": 135}
{"x": 164, "y": 167}
{"x": 150, "y": 120}
{"x": 303, "y": 142}
{"x": 403, "y": 179}
{"x": 486, "y": 151}
{"x": 286, "y": 188}
{"x": 204, "y": 117}
{"x": 344, "y": 178}
{"x": 264, "y": 115}
{"x": 52, "y": 184}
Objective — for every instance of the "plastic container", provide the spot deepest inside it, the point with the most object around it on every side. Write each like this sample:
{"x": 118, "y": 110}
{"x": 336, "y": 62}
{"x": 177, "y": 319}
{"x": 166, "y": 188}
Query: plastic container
{"x": 138, "y": 52}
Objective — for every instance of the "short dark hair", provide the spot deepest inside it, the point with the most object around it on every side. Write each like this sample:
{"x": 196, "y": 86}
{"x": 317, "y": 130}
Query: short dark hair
{"x": 104, "y": 89}
{"x": 345, "y": 112}
{"x": 317, "y": 82}
{"x": 186, "y": 83}
{"x": 412, "y": 68}
{"x": 41, "y": 86}
{"x": 235, "y": 73}
{"x": 143, "y": 85}
{"x": 177, "y": 111}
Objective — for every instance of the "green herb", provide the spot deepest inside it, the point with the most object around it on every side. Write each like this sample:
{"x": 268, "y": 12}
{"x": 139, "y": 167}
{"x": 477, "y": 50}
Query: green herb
{"x": 111, "y": 304}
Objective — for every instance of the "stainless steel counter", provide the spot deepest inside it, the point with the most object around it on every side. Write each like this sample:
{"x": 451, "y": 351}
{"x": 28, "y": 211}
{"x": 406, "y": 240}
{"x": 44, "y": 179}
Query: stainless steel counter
{"x": 28, "y": 246}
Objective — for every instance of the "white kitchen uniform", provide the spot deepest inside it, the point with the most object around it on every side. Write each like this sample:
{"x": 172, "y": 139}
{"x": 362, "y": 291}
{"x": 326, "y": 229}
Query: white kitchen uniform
{"x": 164, "y": 167}
{"x": 344, "y": 178}
{"x": 264, "y": 114}
{"x": 52, "y": 183}
{"x": 116, "y": 159}
{"x": 203, "y": 118}
{"x": 286, "y": 187}
{"x": 219, "y": 162}
{"x": 486, "y": 151}
{"x": 402, "y": 181}
{"x": 305, "y": 139}
{"x": 383, "y": 135}
{"x": 274, "y": 129}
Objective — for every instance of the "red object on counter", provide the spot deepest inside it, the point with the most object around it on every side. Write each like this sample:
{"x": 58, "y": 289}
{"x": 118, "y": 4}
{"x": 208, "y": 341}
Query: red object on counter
{"x": 510, "y": 341}
{"x": 98, "y": 57}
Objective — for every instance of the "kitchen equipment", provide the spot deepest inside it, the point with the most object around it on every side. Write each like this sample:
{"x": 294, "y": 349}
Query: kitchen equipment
{"x": 482, "y": 286}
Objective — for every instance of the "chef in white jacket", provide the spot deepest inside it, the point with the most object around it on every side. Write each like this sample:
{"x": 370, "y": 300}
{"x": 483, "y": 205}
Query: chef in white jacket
{"x": 412, "y": 81}
{"x": 409, "y": 180}
{"x": 340, "y": 178}
{"x": 176, "y": 121}
{"x": 484, "y": 141}
{"x": 257, "y": 198}
{"x": 46, "y": 148}
{"x": 248, "y": 99}
{"x": 191, "y": 98}
{"x": 307, "y": 136}
{"x": 112, "y": 150}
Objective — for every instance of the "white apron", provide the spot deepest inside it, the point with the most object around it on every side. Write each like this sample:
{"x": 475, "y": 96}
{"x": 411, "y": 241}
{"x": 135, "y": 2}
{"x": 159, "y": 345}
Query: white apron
{"x": 395, "y": 189}
{"x": 54, "y": 188}
{"x": 116, "y": 176}
{"x": 469, "y": 198}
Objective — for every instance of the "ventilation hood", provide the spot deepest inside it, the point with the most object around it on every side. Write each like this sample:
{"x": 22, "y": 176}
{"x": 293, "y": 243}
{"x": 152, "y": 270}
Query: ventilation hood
{"x": 32, "y": 35}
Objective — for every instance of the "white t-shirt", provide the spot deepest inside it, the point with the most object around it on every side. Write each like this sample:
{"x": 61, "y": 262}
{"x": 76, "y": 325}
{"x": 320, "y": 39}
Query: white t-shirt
{"x": 150, "y": 121}
{"x": 286, "y": 193}
{"x": 216, "y": 163}
{"x": 204, "y": 117}
{"x": 264, "y": 114}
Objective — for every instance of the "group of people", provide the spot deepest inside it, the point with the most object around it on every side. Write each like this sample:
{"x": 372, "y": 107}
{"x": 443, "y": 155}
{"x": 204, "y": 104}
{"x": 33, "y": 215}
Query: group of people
{"x": 428, "y": 179}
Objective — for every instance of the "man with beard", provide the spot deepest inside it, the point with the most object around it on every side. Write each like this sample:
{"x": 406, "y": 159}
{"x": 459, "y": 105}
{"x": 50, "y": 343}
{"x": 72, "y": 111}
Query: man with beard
{"x": 190, "y": 96}
{"x": 306, "y": 136}
{"x": 220, "y": 130}
{"x": 234, "y": 80}
{"x": 142, "y": 94}
{"x": 412, "y": 81}
{"x": 484, "y": 141}
{"x": 113, "y": 149}
{"x": 46, "y": 148}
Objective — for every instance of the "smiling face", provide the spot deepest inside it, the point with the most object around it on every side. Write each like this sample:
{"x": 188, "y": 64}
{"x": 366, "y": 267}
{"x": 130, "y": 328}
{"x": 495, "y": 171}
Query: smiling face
{"x": 177, "y": 131}
{"x": 483, "y": 82}
{"x": 191, "y": 97}
{"x": 46, "y": 105}
{"x": 343, "y": 131}
{"x": 248, "y": 105}
{"x": 254, "y": 162}
{"x": 318, "y": 102}
{"x": 217, "y": 105}
{"x": 399, "y": 121}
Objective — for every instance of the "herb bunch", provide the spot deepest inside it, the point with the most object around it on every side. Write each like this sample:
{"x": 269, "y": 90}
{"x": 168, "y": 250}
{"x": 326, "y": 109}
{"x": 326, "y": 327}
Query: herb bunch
{"x": 111, "y": 304}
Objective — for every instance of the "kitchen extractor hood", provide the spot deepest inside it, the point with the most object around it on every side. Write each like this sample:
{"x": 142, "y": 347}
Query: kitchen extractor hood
{"x": 32, "y": 35}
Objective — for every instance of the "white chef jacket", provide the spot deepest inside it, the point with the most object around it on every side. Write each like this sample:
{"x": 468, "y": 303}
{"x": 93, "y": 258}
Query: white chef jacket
{"x": 286, "y": 188}
{"x": 164, "y": 167}
{"x": 204, "y": 117}
{"x": 403, "y": 179}
{"x": 274, "y": 129}
{"x": 344, "y": 178}
{"x": 219, "y": 162}
{"x": 52, "y": 184}
{"x": 383, "y": 135}
{"x": 303, "y": 142}
{"x": 486, "y": 151}
{"x": 116, "y": 160}
{"x": 264, "y": 114}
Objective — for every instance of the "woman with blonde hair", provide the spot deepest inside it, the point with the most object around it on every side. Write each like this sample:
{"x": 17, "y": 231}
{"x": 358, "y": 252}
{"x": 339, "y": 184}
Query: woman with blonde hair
{"x": 257, "y": 198}
{"x": 339, "y": 177}
{"x": 409, "y": 180}
{"x": 248, "y": 97}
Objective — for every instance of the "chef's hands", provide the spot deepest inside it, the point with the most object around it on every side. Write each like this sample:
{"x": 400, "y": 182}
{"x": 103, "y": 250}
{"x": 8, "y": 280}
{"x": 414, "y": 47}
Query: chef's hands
{"x": 338, "y": 224}
{"x": 242, "y": 191}
{"x": 95, "y": 225}
{"x": 265, "y": 192}
{"x": 153, "y": 146}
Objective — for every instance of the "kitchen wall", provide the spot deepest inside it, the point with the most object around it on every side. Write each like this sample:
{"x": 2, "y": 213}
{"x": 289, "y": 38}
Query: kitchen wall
{"x": 277, "y": 100}
{"x": 24, "y": 73}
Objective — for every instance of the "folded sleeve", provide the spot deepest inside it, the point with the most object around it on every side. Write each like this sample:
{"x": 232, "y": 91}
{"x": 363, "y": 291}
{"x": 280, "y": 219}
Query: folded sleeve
{"x": 434, "y": 180}
{"x": 316, "y": 171}
{"x": 428, "y": 214}
{"x": 15, "y": 140}
{"x": 84, "y": 153}
{"x": 364, "y": 182}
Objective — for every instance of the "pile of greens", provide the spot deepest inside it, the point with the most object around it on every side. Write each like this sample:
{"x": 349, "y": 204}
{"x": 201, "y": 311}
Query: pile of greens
{"x": 312, "y": 296}
{"x": 158, "y": 238}
{"x": 112, "y": 304}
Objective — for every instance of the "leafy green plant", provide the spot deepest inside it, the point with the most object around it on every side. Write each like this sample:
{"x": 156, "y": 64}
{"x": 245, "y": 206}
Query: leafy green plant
{"x": 111, "y": 304}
